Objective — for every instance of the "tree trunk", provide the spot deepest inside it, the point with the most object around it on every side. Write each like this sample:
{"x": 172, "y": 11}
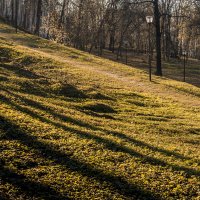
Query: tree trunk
{"x": 38, "y": 19}
{"x": 62, "y": 14}
{"x": 158, "y": 38}
{"x": 12, "y": 11}
{"x": 16, "y": 14}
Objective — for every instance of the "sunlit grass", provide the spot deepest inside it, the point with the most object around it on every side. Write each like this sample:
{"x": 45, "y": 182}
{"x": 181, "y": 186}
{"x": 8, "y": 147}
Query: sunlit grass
{"x": 75, "y": 126}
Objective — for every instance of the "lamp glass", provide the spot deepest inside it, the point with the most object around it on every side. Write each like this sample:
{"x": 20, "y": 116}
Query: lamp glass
{"x": 184, "y": 53}
{"x": 149, "y": 19}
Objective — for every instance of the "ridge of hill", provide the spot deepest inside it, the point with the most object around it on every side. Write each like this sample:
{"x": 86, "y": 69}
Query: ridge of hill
{"x": 76, "y": 126}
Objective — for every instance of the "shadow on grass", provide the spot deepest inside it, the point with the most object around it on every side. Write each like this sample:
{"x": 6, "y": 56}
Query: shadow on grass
{"x": 20, "y": 72}
{"x": 193, "y": 142}
{"x": 109, "y": 144}
{"x": 7, "y": 30}
{"x": 49, "y": 110}
{"x": 3, "y": 78}
{"x": 187, "y": 91}
{"x": 99, "y": 108}
{"x": 101, "y": 96}
{"x": 65, "y": 118}
{"x": 34, "y": 87}
{"x": 145, "y": 145}
{"x": 70, "y": 91}
{"x": 2, "y": 197}
{"x": 31, "y": 188}
{"x": 14, "y": 132}
{"x": 95, "y": 114}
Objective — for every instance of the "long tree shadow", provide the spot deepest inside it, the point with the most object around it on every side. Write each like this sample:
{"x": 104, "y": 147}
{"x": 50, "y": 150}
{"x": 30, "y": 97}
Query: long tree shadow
{"x": 20, "y": 72}
{"x": 49, "y": 110}
{"x": 14, "y": 132}
{"x": 109, "y": 144}
{"x": 193, "y": 142}
{"x": 34, "y": 88}
{"x": 146, "y": 145}
{"x": 31, "y": 188}
{"x": 185, "y": 90}
{"x": 65, "y": 118}
{"x": 3, "y": 197}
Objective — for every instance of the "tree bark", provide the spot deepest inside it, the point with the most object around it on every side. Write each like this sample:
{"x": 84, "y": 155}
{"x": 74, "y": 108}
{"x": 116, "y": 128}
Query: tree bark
{"x": 16, "y": 14}
{"x": 158, "y": 38}
{"x": 38, "y": 19}
{"x": 62, "y": 14}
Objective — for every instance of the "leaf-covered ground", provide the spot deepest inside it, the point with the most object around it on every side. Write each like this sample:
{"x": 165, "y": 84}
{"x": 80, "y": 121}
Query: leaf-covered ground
{"x": 75, "y": 126}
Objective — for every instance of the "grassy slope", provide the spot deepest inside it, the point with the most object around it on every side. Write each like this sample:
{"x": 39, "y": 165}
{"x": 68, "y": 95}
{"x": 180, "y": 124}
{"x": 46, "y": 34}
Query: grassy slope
{"x": 74, "y": 126}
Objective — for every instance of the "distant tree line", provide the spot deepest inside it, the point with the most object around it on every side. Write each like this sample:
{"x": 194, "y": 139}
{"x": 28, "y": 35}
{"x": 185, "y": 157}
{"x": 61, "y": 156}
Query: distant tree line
{"x": 95, "y": 25}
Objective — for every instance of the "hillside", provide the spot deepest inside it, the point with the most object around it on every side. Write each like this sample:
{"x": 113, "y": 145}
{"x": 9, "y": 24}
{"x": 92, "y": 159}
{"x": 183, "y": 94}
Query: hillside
{"x": 75, "y": 126}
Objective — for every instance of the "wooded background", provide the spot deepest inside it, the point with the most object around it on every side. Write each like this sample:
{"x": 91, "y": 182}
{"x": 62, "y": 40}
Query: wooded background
{"x": 95, "y": 25}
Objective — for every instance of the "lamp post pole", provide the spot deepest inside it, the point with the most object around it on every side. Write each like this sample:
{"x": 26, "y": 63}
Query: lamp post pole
{"x": 126, "y": 50}
{"x": 184, "y": 65}
{"x": 149, "y": 22}
{"x": 126, "y": 45}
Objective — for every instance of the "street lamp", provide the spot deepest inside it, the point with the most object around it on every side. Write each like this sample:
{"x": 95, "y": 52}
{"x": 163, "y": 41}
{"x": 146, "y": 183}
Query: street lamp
{"x": 184, "y": 62}
{"x": 149, "y": 20}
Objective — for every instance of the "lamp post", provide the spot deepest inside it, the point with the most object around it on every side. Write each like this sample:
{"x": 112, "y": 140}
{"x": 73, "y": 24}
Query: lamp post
{"x": 184, "y": 63}
{"x": 126, "y": 46}
{"x": 149, "y": 20}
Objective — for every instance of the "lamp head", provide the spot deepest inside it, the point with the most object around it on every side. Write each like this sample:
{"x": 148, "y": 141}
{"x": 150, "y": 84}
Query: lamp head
{"x": 184, "y": 53}
{"x": 149, "y": 19}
